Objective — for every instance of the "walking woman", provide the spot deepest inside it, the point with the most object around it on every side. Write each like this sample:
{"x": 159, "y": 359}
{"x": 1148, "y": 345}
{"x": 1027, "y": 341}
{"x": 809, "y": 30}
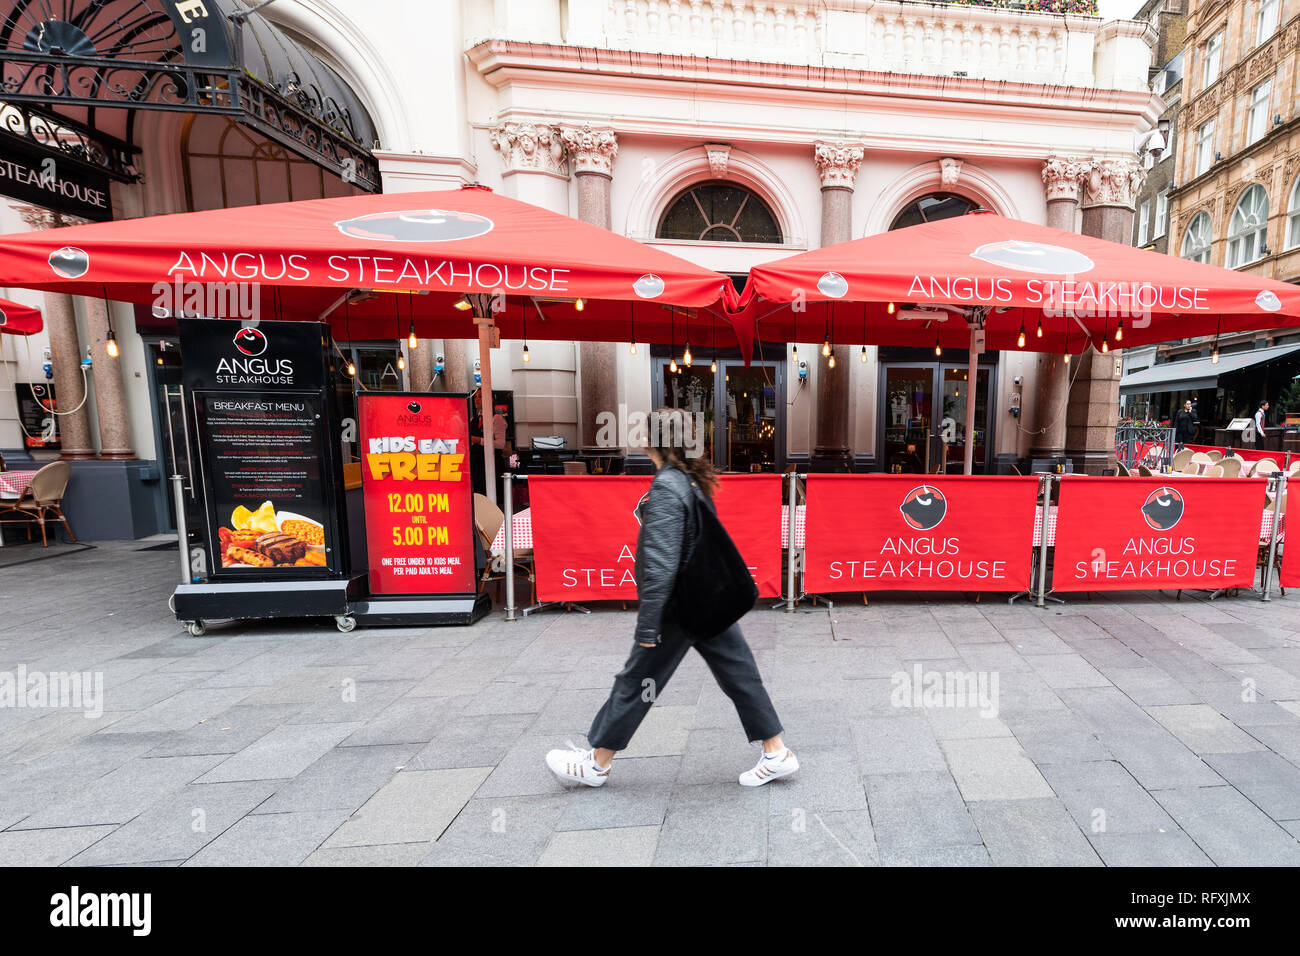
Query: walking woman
{"x": 660, "y": 643}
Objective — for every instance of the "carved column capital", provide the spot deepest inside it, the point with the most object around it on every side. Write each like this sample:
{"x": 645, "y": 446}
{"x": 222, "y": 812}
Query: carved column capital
{"x": 949, "y": 171}
{"x": 1062, "y": 176}
{"x": 591, "y": 149}
{"x": 719, "y": 155}
{"x": 1113, "y": 182}
{"x": 530, "y": 147}
{"x": 837, "y": 163}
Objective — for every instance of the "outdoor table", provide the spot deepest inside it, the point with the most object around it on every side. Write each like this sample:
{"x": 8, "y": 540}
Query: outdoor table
{"x": 12, "y": 484}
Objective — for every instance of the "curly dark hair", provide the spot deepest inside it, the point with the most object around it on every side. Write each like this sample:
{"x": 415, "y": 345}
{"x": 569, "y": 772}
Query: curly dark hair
{"x": 672, "y": 430}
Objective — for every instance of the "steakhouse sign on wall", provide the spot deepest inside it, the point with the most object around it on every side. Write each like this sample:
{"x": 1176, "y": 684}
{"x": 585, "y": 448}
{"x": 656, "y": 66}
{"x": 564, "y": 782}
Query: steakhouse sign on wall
{"x": 1152, "y": 533}
{"x": 585, "y": 530}
{"x": 919, "y": 532}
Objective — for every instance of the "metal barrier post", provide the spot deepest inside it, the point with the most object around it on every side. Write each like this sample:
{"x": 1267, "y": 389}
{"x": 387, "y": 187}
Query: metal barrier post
{"x": 1042, "y": 541}
{"x": 791, "y": 598}
{"x": 1279, "y": 490}
{"x": 508, "y": 483}
{"x": 182, "y": 530}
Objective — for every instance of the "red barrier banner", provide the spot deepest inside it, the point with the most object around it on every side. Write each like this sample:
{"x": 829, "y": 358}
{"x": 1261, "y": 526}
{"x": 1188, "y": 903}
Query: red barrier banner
{"x": 417, "y": 494}
{"x": 1116, "y": 534}
{"x": 585, "y": 529}
{"x": 1288, "y": 574}
{"x": 919, "y": 533}
{"x": 1245, "y": 454}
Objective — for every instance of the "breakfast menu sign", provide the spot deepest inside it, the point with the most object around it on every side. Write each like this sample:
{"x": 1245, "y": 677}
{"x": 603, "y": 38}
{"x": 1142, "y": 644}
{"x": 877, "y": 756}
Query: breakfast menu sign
{"x": 418, "y": 499}
{"x": 259, "y": 404}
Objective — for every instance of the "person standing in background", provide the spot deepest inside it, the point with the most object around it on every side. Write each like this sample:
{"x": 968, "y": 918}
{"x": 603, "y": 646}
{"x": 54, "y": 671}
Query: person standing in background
{"x": 1260, "y": 415}
{"x": 1184, "y": 424}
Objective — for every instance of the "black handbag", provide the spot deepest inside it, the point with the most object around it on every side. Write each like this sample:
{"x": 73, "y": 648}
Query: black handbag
{"x": 714, "y": 588}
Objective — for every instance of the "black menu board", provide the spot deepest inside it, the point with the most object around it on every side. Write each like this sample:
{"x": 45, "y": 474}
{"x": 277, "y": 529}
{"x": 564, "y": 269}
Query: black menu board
{"x": 36, "y": 409}
{"x": 263, "y": 427}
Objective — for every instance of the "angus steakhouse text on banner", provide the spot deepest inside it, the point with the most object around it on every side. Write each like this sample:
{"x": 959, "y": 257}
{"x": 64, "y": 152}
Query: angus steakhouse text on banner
{"x": 585, "y": 529}
{"x": 1152, "y": 533}
{"x": 919, "y": 533}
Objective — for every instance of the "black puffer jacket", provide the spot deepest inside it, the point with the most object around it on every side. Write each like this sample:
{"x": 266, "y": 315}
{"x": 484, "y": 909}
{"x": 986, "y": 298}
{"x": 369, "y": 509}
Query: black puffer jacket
{"x": 663, "y": 543}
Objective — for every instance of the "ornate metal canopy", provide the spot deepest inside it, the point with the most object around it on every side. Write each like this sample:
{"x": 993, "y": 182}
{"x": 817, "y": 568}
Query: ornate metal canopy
{"x": 68, "y": 67}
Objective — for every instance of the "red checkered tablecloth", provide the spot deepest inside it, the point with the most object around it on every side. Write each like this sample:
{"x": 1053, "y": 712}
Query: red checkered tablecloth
{"x": 12, "y": 483}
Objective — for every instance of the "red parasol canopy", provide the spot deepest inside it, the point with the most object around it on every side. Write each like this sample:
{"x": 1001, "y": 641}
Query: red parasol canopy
{"x": 936, "y": 275}
{"x": 19, "y": 319}
{"x": 301, "y": 258}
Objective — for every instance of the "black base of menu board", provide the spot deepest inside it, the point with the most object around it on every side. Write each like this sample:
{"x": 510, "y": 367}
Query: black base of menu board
{"x": 238, "y": 600}
{"x": 432, "y": 610}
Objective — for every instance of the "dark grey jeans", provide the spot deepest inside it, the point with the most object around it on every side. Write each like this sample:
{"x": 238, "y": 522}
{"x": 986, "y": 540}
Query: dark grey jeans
{"x": 648, "y": 669}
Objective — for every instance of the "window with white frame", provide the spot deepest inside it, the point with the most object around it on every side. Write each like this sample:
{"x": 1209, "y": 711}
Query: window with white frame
{"x": 1204, "y": 147}
{"x": 1162, "y": 213}
{"x": 1144, "y": 222}
{"x": 1257, "y": 115}
{"x": 1265, "y": 20}
{"x": 1213, "y": 59}
{"x": 1247, "y": 228}
{"x": 1196, "y": 240}
{"x": 1293, "y": 217}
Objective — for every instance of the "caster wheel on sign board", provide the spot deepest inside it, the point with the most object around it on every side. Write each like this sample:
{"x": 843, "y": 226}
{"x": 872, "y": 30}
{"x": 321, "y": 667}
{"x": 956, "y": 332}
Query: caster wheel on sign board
{"x": 345, "y": 622}
{"x": 196, "y": 628}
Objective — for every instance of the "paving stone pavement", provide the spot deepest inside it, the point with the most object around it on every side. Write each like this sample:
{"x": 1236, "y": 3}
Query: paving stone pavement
{"x": 1123, "y": 730}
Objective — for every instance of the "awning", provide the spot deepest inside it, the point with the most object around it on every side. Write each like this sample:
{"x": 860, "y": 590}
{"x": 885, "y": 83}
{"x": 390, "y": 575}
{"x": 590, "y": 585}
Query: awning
{"x": 1198, "y": 373}
{"x": 19, "y": 319}
{"x": 73, "y": 76}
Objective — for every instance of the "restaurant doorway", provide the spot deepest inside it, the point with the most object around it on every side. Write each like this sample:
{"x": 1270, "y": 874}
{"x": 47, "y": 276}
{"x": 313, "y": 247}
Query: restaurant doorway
{"x": 743, "y": 407}
{"x": 922, "y": 415}
{"x": 171, "y": 425}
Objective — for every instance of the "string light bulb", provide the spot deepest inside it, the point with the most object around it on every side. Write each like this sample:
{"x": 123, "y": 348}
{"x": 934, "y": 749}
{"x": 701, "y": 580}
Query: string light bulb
{"x": 401, "y": 361}
{"x": 862, "y": 356}
{"x": 1119, "y": 330}
{"x": 1020, "y": 339}
{"x": 352, "y": 369}
{"x": 463, "y": 304}
{"x": 526, "y": 357}
{"x": 411, "y": 340}
{"x": 1105, "y": 346}
{"x": 686, "y": 356}
{"x": 891, "y": 308}
{"x": 111, "y": 345}
{"x": 579, "y": 305}
{"x": 631, "y": 348}
{"x": 1039, "y": 333}
{"x": 794, "y": 354}
{"x": 672, "y": 365}
{"x": 830, "y": 362}
{"x": 826, "y": 347}
{"x": 1214, "y": 355}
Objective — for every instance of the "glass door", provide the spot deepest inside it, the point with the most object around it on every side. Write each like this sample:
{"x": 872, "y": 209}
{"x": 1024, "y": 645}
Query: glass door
{"x": 750, "y": 418}
{"x": 923, "y": 418}
{"x": 908, "y": 399}
{"x": 952, "y": 423}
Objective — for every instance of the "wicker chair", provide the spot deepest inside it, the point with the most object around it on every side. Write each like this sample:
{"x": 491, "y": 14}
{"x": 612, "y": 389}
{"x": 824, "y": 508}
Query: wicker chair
{"x": 1231, "y": 467}
{"x": 43, "y": 495}
{"x": 1181, "y": 459}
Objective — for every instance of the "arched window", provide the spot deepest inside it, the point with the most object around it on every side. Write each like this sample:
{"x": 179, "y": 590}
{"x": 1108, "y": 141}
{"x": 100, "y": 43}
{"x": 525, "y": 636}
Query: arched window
{"x": 1293, "y": 217}
{"x": 719, "y": 212}
{"x": 1196, "y": 240}
{"x": 933, "y": 207}
{"x": 1248, "y": 226}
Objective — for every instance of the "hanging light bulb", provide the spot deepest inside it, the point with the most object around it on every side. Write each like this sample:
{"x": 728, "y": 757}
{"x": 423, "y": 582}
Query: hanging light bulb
{"x": 1020, "y": 339}
{"x": 352, "y": 369}
{"x": 1067, "y": 358}
{"x": 111, "y": 346}
{"x": 1119, "y": 330}
{"x": 1214, "y": 355}
{"x": 794, "y": 354}
{"x": 672, "y": 365}
{"x": 401, "y": 362}
{"x": 1105, "y": 346}
{"x": 938, "y": 349}
{"x": 1039, "y": 333}
{"x": 826, "y": 346}
{"x": 411, "y": 340}
{"x": 579, "y": 305}
{"x": 686, "y": 356}
{"x": 526, "y": 357}
{"x": 713, "y": 366}
{"x": 891, "y": 308}
{"x": 830, "y": 362}
{"x": 862, "y": 357}
{"x": 463, "y": 304}
{"x": 631, "y": 348}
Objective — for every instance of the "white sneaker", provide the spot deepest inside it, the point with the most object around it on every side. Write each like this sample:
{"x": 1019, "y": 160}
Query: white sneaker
{"x": 578, "y": 766}
{"x": 770, "y": 768}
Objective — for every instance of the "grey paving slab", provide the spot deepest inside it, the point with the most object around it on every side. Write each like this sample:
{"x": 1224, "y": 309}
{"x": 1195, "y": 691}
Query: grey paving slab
{"x": 911, "y": 810}
{"x": 344, "y": 779}
{"x": 178, "y": 826}
{"x": 904, "y": 744}
{"x": 478, "y": 741}
{"x": 1052, "y": 738}
{"x": 995, "y": 768}
{"x": 284, "y": 752}
{"x": 1158, "y": 848}
{"x": 1265, "y": 779}
{"x": 635, "y": 794}
{"x": 509, "y": 831}
{"x": 49, "y": 847}
{"x": 960, "y": 855}
{"x": 713, "y": 824}
{"x": 272, "y": 839}
{"x": 1032, "y": 832}
{"x": 616, "y": 846}
{"x": 663, "y": 733}
{"x": 414, "y": 806}
{"x": 228, "y": 732}
{"x": 798, "y": 837}
{"x": 1229, "y": 828}
{"x": 385, "y": 854}
{"x": 1103, "y": 797}
{"x": 1203, "y": 729}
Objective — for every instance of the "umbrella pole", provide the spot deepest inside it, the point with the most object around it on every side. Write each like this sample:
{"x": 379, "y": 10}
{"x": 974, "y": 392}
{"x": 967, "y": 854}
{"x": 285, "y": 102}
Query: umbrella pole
{"x": 489, "y": 432}
{"x": 971, "y": 388}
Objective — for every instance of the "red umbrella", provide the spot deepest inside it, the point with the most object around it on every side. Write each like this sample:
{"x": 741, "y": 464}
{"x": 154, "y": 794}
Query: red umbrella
{"x": 926, "y": 284}
{"x": 299, "y": 259}
{"x": 19, "y": 319}
{"x": 474, "y": 255}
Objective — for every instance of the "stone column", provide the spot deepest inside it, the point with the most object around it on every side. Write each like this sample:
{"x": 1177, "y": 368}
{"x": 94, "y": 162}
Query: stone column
{"x": 1061, "y": 179}
{"x": 837, "y": 165}
{"x": 110, "y": 393}
{"x": 1110, "y": 189}
{"x": 65, "y": 350}
{"x": 592, "y": 153}
{"x": 455, "y": 373}
{"x": 419, "y": 363}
